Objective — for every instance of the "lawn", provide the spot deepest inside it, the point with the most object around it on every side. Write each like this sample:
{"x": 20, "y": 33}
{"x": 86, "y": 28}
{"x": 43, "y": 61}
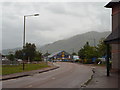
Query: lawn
{"x": 10, "y": 69}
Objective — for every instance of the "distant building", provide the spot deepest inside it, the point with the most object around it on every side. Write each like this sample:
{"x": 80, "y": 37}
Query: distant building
{"x": 114, "y": 38}
{"x": 75, "y": 57}
{"x": 3, "y": 58}
{"x": 60, "y": 56}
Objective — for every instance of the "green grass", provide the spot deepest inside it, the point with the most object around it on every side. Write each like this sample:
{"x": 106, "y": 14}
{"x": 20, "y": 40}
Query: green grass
{"x": 10, "y": 69}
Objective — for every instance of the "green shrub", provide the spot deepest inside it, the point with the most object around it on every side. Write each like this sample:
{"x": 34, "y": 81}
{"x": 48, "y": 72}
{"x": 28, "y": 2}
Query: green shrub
{"x": 87, "y": 61}
{"x": 37, "y": 59}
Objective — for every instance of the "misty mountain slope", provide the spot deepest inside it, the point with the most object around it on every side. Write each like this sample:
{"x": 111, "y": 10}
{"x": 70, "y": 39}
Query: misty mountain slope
{"x": 8, "y": 51}
{"x": 74, "y": 43}
{"x": 71, "y": 44}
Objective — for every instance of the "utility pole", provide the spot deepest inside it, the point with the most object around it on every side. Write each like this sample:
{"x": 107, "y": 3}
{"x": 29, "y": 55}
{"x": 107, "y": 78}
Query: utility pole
{"x": 24, "y": 44}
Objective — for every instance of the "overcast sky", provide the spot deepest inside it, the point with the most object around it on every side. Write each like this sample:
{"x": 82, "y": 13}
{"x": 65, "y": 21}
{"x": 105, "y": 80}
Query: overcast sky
{"x": 57, "y": 20}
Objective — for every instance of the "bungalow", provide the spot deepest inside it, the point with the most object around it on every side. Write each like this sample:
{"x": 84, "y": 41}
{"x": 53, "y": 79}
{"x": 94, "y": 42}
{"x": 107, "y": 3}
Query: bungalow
{"x": 60, "y": 56}
{"x": 114, "y": 38}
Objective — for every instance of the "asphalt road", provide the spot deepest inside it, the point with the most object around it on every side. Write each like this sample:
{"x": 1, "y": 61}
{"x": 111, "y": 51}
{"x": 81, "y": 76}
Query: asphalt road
{"x": 69, "y": 75}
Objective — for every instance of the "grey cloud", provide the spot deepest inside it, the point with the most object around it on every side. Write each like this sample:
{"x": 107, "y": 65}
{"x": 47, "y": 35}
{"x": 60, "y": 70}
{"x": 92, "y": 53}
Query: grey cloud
{"x": 56, "y": 21}
{"x": 57, "y": 8}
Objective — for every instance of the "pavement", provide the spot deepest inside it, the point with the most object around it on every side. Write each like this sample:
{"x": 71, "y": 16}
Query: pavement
{"x": 28, "y": 73}
{"x": 68, "y": 75}
{"x": 101, "y": 80}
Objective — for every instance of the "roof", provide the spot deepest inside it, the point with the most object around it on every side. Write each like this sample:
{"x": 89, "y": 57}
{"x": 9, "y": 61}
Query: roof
{"x": 112, "y": 3}
{"x": 55, "y": 53}
{"x": 114, "y": 36}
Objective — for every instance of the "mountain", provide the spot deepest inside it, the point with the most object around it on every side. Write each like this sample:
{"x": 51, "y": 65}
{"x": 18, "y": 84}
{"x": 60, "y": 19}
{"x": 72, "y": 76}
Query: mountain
{"x": 69, "y": 45}
{"x": 7, "y": 51}
{"x": 74, "y": 43}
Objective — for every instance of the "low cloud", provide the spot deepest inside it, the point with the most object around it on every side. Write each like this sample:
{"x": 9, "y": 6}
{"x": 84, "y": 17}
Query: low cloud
{"x": 57, "y": 20}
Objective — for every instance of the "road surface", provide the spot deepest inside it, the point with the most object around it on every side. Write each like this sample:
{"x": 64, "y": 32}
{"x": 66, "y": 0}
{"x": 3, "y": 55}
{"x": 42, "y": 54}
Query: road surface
{"x": 69, "y": 75}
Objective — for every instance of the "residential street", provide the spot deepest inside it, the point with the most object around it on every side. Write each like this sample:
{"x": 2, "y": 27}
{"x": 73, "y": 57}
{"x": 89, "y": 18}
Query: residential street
{"x": 69, "y": 75}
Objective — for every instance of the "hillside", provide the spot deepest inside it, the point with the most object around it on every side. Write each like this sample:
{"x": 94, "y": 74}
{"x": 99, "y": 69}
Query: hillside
{"x": 71, "y": 44}
{"x": 7, "y": 51}
{"x": 74, "y": 43}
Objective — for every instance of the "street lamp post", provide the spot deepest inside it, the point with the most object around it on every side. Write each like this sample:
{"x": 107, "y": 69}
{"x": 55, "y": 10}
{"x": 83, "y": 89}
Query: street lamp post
{"x": 24, "y": 35}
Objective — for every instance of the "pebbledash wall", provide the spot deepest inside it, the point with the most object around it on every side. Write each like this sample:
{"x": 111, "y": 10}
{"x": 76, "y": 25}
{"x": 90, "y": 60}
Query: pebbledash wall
{"x": 116, "y": 46}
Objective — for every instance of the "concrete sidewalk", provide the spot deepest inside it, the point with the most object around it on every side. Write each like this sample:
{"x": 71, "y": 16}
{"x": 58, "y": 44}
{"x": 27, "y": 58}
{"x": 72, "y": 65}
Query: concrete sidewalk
{"x": 100, "y": 79}
{"x": 27, "y": 73}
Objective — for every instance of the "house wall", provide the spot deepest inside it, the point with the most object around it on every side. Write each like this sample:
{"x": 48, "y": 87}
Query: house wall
{"x": 116, "y": 9}
{"x": 115, "y": 21}
{"x": 116, "y": 47}
{"x": 115, "y": 56}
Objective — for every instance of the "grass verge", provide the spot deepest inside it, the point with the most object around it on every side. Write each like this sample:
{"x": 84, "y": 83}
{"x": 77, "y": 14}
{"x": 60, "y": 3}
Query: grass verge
{"x": 10, "y": 69}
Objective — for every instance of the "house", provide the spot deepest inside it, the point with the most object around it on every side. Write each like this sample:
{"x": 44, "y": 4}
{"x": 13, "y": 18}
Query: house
{"x": 60, "y": 56}
{"x": 114, "y": 38}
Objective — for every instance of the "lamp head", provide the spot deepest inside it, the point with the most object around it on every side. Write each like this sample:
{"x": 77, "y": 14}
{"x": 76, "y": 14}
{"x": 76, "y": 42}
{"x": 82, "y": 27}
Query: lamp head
{"x": 36, "y": 14}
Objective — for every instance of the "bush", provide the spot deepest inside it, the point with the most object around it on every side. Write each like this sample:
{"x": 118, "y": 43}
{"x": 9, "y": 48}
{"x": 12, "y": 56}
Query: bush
{"x": 87, "y": 61}
{"x": 77, "y": 60}
{"x": 37, "y": 59}
{"x": 80, "y": 60}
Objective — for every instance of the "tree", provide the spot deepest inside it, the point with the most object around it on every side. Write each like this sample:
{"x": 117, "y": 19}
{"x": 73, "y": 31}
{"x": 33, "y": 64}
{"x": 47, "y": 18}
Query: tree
{"x": 19, "y": 54}
{"x": 91, "y": 52}
{"x": 87, "y": 52}
{"x": 81, "y": 53}
{"x": 74, "y": 53}
{"x": 11, "y": 57}
{"x": 38, "y": 56}
{"x": 29, "y": 51}
{"x": 101, "y": 48}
